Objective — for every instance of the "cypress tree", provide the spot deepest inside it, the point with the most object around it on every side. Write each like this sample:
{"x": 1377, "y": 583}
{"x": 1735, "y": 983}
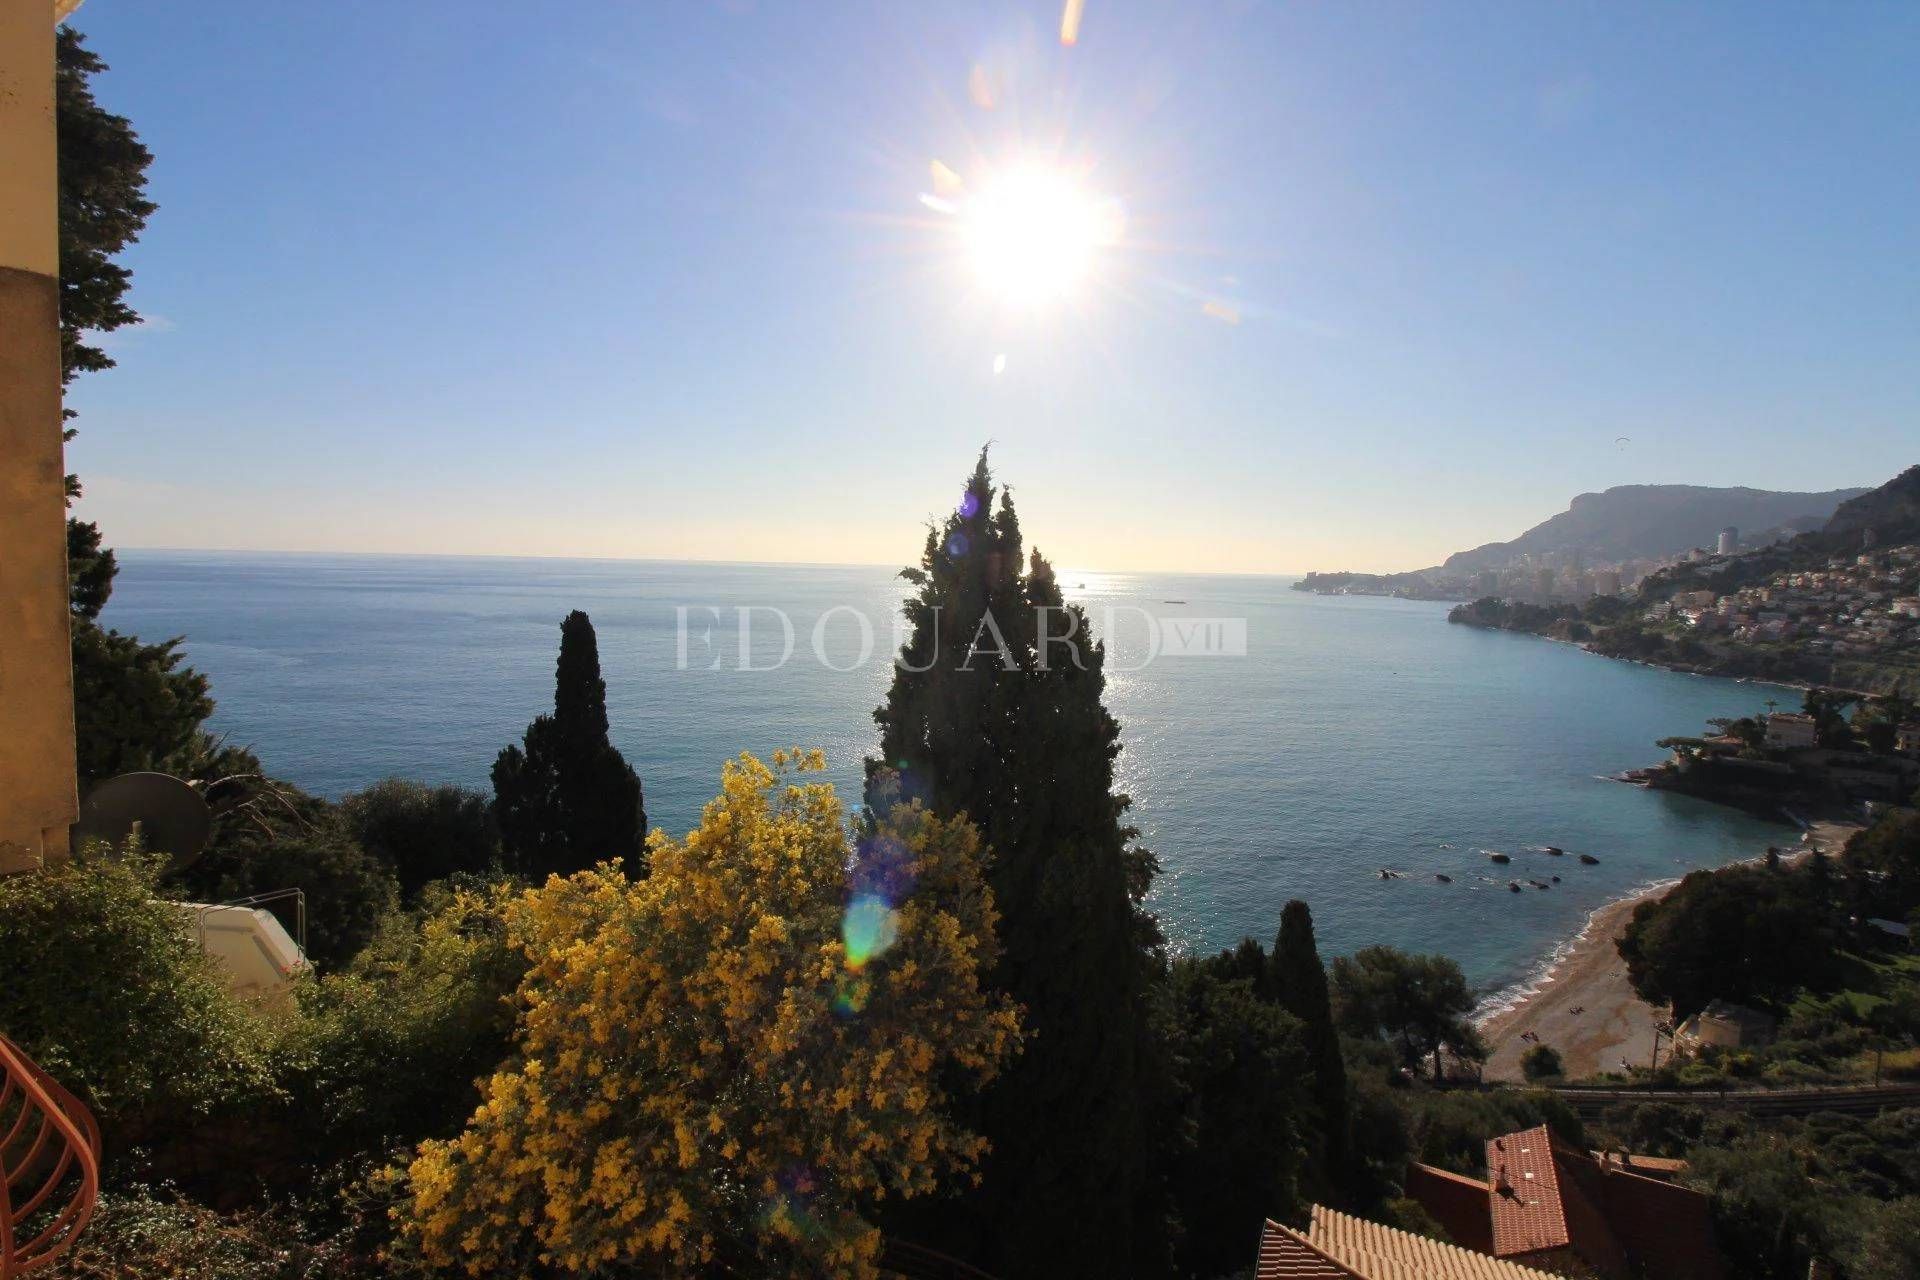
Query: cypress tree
{"x": 1300, "y": 984}
{"x": 567, "y": 799}
{"x": 988, "y": 718}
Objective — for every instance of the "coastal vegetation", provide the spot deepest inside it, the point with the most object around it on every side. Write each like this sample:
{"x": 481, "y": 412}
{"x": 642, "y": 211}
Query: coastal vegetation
{"x": 536, "y": 1039}
{"x": 566, "y": 798}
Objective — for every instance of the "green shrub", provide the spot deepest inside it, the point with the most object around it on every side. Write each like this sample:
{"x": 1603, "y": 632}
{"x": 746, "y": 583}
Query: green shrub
{"x": 423, "y": 833}
{"x": 388, "y": 1052}
{"x": 105, "y": 986}
{"x": 155, "y": 1236}
{"x": 1540, "y": 1062}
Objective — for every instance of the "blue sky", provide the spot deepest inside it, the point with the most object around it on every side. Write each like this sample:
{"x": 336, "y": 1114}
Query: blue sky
{"x": 655, "y": 280}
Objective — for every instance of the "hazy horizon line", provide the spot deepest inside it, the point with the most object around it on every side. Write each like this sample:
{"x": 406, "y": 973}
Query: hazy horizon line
{"x": 752, "y": 564}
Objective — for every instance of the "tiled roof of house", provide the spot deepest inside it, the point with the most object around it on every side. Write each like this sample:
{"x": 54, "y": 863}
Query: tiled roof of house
{"x": 1547, "y": 1195}
{"x": 1376, "y": 1252}
{"x": 1528, "y": 1213}
{"x": 1285, "y": 1254}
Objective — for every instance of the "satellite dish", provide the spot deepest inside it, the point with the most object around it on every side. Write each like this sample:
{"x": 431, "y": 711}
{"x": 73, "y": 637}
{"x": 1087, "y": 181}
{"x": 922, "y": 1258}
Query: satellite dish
{"x": 173, "y": 817}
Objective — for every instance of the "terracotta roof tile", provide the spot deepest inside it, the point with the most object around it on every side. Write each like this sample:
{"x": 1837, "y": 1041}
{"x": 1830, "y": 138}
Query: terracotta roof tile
{"x": 1528, "y": 1215}
{"x": 1285, "y": 1254}
{"x": 1376, "y": 1252}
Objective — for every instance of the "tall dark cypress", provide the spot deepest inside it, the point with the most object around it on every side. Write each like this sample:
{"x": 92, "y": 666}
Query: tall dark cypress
{"x": 1300, "y": 984}
{"x": 984, "y": 719}
{"x": 567, "y": 799}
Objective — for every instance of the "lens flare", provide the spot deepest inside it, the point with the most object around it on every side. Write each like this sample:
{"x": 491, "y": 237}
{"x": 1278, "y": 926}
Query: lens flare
{"x": 867, "y": 930}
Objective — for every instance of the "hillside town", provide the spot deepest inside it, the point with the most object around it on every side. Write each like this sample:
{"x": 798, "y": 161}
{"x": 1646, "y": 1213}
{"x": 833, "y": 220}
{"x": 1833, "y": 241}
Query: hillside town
{"x": 1858, "y": 606}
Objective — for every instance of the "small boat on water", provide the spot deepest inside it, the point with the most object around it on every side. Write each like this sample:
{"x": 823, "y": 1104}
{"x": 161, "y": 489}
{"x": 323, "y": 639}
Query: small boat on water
{"x": 1588, "y": 859}
{"x": 1494, "y": 855}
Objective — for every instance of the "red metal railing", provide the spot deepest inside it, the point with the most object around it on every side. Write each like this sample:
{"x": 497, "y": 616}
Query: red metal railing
{"x": 49, "y": 1165}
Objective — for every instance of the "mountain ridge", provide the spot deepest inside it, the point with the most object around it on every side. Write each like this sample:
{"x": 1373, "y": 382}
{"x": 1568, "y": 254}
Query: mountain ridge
{"x": 1646, "y": 521}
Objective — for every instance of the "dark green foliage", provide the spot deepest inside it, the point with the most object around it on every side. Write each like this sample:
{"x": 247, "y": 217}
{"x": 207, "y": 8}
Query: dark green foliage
{"x": 1299, "y": 983}
{"x": 423, "y": 833}
{"x": 982, "y": 720}
{"x": 1540, "y": 1062}
{"x": 103, "y": 206}
{"x": 1511, "y": 615}
{"x": 159, "y": 1236}
{"x": 1831, "y": 1187}
{"x": 1889, "y": 1249}
{"x": 1828, "y": 708}
{"x": 135, "y": 706}
{"x": 1243, "y": 1074}
{"x": 1885, "y": 861}
{"x": 1419, "y": 1003}
{"x": 347, "y": 891}
{"x": 1742, "y": 933}
{"x": 1449, "y": 1129}
{"x": 566, "y": 798}
{"x": 388, "y": 1050}
{"x": 1380, "y": 1143}
{"x": 106, "y": 986}
{"x": 90, "y": 570}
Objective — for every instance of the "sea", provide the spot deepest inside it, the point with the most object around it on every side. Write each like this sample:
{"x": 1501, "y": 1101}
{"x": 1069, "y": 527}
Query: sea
{"x": 1277, "y": 744}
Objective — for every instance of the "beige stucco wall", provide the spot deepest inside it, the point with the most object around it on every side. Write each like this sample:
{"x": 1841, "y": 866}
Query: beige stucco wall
{"x": 37, "y": 798}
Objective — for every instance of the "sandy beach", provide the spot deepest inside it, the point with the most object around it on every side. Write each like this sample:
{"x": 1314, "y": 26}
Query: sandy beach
{"x": 1612, "y": 1024}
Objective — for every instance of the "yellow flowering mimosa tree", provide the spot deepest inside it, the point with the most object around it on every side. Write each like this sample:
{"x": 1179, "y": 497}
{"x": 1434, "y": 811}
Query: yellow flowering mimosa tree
{"x": 726, "y": 1064}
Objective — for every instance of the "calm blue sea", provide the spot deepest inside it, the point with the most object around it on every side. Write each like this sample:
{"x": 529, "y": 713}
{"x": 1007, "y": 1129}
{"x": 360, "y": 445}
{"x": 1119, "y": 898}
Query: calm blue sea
{"x": 1355, "y": 734}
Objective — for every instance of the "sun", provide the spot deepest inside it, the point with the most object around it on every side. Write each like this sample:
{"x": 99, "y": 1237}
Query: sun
{"x": 1034, "y": 233}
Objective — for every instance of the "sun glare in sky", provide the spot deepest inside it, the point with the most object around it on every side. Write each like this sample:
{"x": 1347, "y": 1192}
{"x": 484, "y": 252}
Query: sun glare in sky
{"x": 1032, "y": 232}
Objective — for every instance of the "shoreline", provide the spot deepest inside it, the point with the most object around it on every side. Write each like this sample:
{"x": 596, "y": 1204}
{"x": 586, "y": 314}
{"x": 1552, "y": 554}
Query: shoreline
{"x": 1586, "y": 973}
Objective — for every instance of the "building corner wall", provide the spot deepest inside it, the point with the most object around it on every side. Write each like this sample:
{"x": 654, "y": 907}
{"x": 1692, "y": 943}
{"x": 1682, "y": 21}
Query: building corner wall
{"x": 38, "y": 796}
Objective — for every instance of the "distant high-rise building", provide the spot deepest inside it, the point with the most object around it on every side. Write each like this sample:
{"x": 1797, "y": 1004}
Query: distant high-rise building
{"x": 1606, "y": 583}
{"x": 1729, "y": 540}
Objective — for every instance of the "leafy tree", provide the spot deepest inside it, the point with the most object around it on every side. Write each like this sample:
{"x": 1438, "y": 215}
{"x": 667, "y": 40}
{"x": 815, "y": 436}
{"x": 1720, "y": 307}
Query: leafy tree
{"x": 1887, "y": 857}
{"x": 1540, "y": 1062}
{"x": 423, "y": 833}
{"x": 720, "y": 1068}
{"x": 1243, "y": 1073}
{"x": 107, "y": 987}
{"x": 103, "y": 207}
{"x": 1828, "y": 709}
{"x": 91, "y": 570}
{"x": 1741, "y": 933}
{"x": 992, "y": 714}
{"x": 566, "y": 799}
{"x": 1420, "y": 1003}
{"x": 1299, "y": 982}
{"x": 135, "y": 707}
